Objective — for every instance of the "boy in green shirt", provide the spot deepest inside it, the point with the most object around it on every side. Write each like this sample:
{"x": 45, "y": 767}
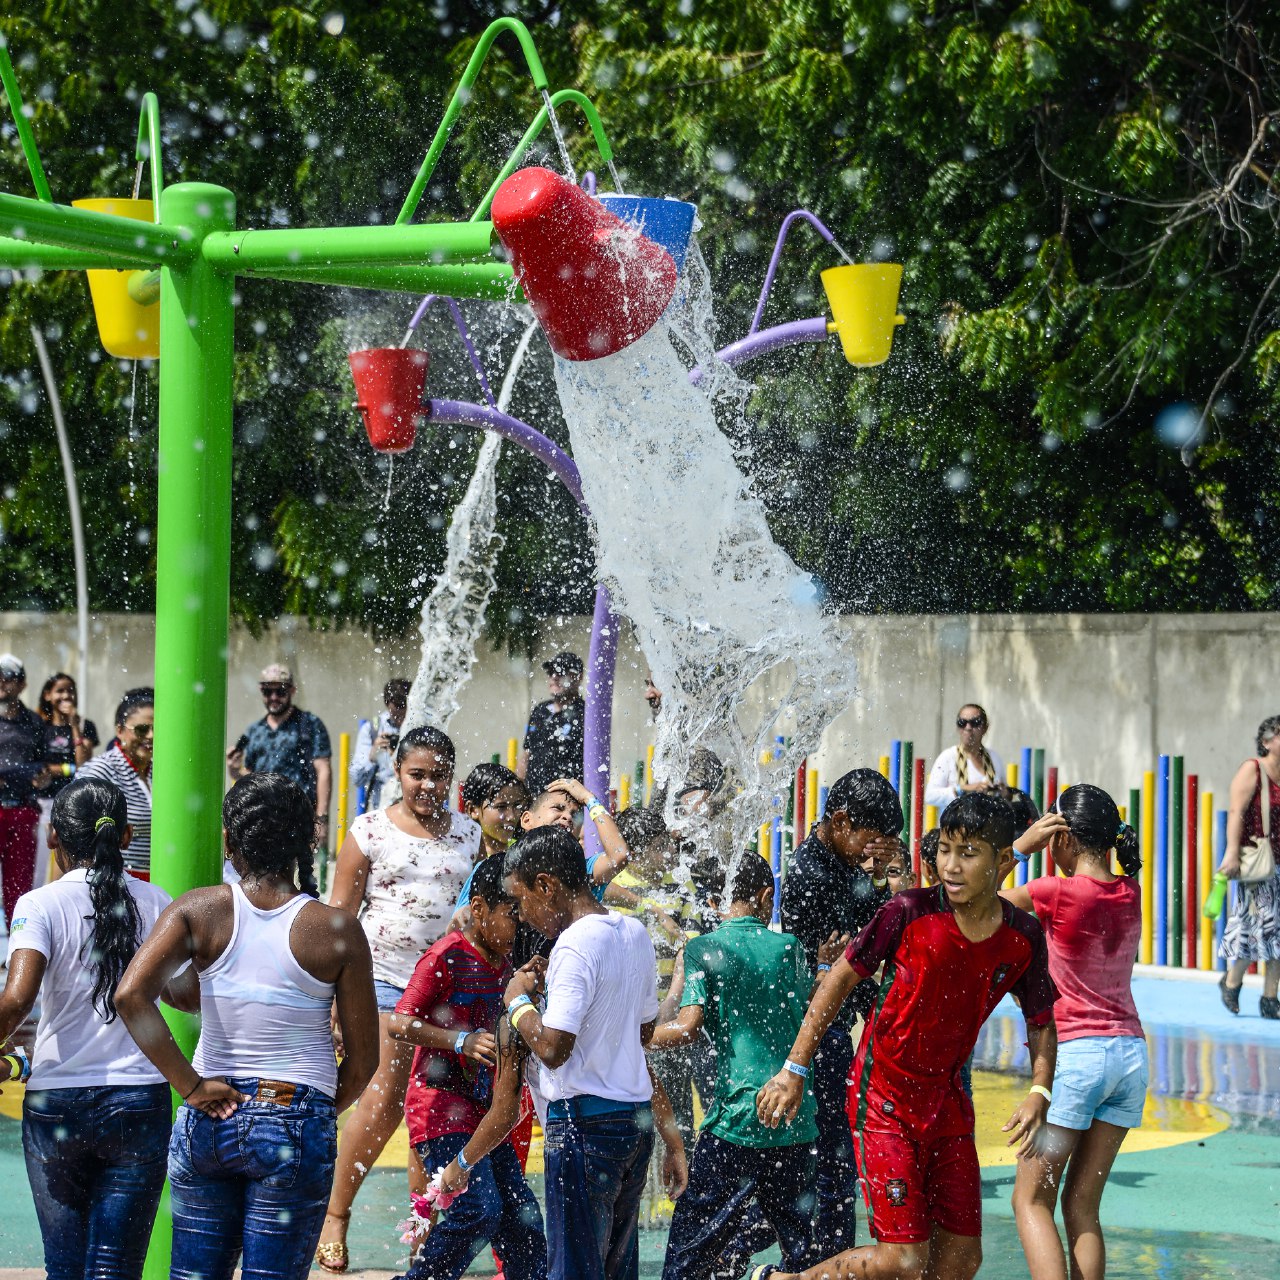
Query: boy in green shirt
{"x": 748, "y": 986}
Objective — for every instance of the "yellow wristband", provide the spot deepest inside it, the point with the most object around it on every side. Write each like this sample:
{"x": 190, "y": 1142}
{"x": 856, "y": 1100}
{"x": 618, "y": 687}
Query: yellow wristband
{"x": 520, "y": 1013}
{"x": 1042, "y": 1091}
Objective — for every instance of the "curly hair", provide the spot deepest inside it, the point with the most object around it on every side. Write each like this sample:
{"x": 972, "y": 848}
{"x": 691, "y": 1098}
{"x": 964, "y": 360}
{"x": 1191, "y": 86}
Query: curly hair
{"x": 270, "y": 823}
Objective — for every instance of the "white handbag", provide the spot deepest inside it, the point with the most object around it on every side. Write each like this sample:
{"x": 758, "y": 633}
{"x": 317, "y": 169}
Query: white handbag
{"x": 1258, "y": 860}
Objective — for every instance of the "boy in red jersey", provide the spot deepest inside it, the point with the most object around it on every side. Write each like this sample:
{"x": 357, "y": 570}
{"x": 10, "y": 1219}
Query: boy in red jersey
{"x": 950, "y": 954}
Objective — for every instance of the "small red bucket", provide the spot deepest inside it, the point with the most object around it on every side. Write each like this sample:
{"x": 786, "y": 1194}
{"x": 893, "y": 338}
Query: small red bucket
{"x": 390, "y": 383}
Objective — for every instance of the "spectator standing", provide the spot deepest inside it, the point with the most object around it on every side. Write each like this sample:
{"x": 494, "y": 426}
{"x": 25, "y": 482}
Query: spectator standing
{"x": 288, "y": 741}
{"x": 553, "y": 739}
{"x": 373, "y": 760}
{"x": 969, "y": 765}
{"x": 71, "y": 742}
{"x": 24, "y": 771}
{"x": 127, "y": 763}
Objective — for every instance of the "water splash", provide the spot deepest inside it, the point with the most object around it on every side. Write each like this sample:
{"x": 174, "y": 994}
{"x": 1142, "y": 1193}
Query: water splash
{"x": 561, "y": 145}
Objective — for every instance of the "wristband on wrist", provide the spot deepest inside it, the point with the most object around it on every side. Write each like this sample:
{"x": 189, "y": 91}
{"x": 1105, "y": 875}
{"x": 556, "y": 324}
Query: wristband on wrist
{"x": 460, "y": 1043}
{"x": 521, "y": 1012}
{"x": 796, "y": 1069}
{"x": 1042, "y": 1091}
{"x": 824, "y": 968}
{"x": 463, "y": 1163}
{"x": 591, "y": 802}
{"x": 19, "y": 1067}
{"x": 193, "y": 1088}
{"x": 517, "y": 1003}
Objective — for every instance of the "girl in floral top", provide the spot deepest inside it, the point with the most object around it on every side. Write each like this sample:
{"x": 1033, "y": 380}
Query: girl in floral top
{"x": 400, "y": 870}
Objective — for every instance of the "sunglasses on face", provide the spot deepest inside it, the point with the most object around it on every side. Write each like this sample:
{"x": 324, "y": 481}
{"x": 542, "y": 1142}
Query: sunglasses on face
{"x": 974, "y": 722}
{"x": 141, "y": 730}
{"x": 274, "y": 690}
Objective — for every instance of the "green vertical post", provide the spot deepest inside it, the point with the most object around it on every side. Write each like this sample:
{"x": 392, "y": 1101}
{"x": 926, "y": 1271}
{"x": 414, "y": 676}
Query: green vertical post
{"x": 1134, "y": 816}
{"x": 193, "y": 573}
{"x": 1041, "y": 861}
{"x": 904, "y": 786}
{"x": 1177, "y": 872}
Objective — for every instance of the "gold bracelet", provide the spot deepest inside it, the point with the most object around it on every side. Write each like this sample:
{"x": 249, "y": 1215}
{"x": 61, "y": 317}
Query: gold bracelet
{"x": 520, "y": 1013}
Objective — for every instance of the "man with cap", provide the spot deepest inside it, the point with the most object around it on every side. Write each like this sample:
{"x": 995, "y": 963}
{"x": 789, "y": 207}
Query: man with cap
{"x": 288, "y": 741}
{"x": 24, "y": 758}
{"x": 553, "y": 739}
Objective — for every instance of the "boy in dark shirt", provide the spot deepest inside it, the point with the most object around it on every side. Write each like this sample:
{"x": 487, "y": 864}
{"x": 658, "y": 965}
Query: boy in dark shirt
{"x": 950, "y": 954}
{"x": 553, "y": 739}
{"x": 828, "y": 894}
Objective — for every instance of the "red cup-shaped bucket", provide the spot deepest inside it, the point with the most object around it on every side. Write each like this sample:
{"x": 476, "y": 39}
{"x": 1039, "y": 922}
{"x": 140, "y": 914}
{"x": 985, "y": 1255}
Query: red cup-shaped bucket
{"x": 390, "y": 384}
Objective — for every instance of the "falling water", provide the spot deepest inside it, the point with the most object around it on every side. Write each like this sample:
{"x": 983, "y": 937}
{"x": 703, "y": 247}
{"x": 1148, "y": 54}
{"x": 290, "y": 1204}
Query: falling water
{"x": 560, "y": 142}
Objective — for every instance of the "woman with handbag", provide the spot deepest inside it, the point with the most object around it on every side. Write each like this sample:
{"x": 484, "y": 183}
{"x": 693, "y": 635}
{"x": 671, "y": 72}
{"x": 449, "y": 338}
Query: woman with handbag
{"x": 1252, "y": 934}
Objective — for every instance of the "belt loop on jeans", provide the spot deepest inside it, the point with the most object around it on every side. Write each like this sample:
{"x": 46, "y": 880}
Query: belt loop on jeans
{"x": 588, "y": 1104}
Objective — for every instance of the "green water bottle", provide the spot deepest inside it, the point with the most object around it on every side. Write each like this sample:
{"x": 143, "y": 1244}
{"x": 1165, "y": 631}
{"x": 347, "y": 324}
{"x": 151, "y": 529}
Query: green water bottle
{"x": 1217, "y": 895}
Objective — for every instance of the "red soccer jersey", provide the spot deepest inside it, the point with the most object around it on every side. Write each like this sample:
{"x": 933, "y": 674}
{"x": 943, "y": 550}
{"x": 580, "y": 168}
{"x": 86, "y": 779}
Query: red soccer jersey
{"x": 937, "y": 990}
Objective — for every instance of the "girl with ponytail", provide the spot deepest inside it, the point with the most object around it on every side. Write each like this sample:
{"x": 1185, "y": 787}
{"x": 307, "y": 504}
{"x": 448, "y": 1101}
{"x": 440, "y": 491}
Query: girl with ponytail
{"x": 1092, "y": 919}
{"x": 95, "y": 1119}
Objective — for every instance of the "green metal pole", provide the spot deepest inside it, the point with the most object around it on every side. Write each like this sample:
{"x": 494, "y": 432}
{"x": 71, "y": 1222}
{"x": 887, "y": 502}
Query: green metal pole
{"x": 904, "y": 785}
{"x": 1041, "y": 862}
{"x": 23, "y": 255}
{"x": 193, "y": 564}
{"x": 1177, "y": 873}
{"x": 140, "y": 244}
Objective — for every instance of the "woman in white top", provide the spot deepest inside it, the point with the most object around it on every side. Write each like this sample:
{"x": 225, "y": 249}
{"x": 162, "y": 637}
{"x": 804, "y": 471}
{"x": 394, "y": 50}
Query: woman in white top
{"x": 95, "y": 1119}
{"x": 400, "y": 870}
{"x": 127, "y": 763}
{"x": 968, "y": 766}
{"x": 252, "y": 1151}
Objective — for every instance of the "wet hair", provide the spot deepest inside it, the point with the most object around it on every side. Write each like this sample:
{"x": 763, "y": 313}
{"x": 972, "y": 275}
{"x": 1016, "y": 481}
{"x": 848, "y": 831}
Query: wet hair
{"x": 426, "y": 738}
{"x": 90, "y": 817}
{"x": 639, "y": 825}
{"x": 1094, "y": 820}
{"x": 1024, "y": 809}
{"x": 270, "y": 823}
{"x": 486, "y": 882}
{"x": 486, "y": 781}
{"x": 980, "y": 815}
{"x": 45, "y": 707}
{"x": 544, "y": 796}
{"x": 134, "y": 700}
{"x": 752, "y": 877}
{"x": 708, "y": 877}
{"x": 1266, "y": 731}
{"x": 396, "y": 690}
{"x": 929, "y": 850}
{"x": 871, "y": 803}
{"x": 550, "y": 851}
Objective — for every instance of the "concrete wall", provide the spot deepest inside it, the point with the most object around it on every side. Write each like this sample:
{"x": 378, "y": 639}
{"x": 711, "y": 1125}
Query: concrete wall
{"x": 1103, "y": 693}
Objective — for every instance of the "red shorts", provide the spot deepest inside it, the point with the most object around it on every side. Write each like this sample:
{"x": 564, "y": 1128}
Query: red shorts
{"x": 909, "y": 1188}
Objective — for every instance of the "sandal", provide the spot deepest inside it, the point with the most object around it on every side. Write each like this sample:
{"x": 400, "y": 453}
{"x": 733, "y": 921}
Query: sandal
{"x": 1230, "y": 995}
{"x": 332, "y": 1256}
{"x": 1270, "y": 1007}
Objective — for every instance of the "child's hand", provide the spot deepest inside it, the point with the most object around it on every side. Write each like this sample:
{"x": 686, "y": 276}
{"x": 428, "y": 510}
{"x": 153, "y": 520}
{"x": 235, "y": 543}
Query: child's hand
{"x": 675, "y": 1170}
{"x": 526, "y": 981}
{"x": 1026, "y": 1123}
{"x": 452, "y": 1179}
{"x": 1040, "y": 832}
{"x": 572, "y": 788}
{"x": 480, "y": 1046}
{"x": 779, "y": 1101}
{"x": 834, "y": 947}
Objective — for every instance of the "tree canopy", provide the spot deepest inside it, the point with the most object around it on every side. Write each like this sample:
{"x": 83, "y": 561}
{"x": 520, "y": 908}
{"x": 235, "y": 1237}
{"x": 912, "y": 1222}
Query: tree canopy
{"x": 1078, "y": 414}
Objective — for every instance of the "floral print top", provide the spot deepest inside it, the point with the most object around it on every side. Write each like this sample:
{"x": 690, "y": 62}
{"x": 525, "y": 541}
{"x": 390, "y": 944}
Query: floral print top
{"x": 412, "y": 887}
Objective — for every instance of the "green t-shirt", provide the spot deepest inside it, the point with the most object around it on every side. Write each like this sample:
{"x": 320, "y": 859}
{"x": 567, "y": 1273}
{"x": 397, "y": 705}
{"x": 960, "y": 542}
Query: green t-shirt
{"x": 753, "y": 986}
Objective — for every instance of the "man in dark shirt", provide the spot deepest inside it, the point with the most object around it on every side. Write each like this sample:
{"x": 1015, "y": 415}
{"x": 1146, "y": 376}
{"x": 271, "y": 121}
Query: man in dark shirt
{"x": 827, "y": 892}
{"x": 553, "y": 739}
{"x": 24, "y": 753}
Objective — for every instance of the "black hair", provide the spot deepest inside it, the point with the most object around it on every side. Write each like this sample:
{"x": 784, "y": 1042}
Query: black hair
{"x": 133, "y": 700}
{"x": 640, "y": 824}
{"x": 1094, "y": 820}
{"x": 486, "y": 882}
{"x": 550, "y": 851}
{"x": 426, "y": 738}
{"x": 270, "y": 823}
{"x": 981, "y": 815}
{"x": 929, "y": 850}
{"x": 1266, "y": 731}
{"x": 485, "y": 781}
{"x": 871, "y": 803}
{"x": 1025, "y": 812}
{"x": 90, "y": 817}
{"x": 44, "y": 708}
{"x": 396, "y": 690}
{"x": 752, "y": 877}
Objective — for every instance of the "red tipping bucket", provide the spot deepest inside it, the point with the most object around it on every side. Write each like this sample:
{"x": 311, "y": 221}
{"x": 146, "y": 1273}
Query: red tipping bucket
{"x": 596, "y": 285}
{"x": 390, "y": 383}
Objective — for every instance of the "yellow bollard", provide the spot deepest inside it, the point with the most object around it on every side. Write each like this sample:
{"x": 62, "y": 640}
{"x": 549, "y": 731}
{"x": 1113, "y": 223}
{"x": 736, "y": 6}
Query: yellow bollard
{"x": 1147, "y": 952}
{"x": 624, "y": 792}
{"x": 930, "y": 816}
{"x": 513, "y": 753}
{"x": 1207, "y": 927}
{"x": 864, "y": 307}
{"x": 648, "y": 774}
{"x": 811, "y": 798}
{"x": 128, "y": 330}
{"x": 1011, "y": 774}
{"x": 884, "y": 766}
{"x": 344, "y": 787}
{"x": 766, "y": 845}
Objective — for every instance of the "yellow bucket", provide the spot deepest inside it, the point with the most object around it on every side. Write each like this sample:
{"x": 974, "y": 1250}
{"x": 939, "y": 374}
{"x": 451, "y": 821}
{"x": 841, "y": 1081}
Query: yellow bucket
{"x": 126, "y": 329}
{"x": 864, "y": 307}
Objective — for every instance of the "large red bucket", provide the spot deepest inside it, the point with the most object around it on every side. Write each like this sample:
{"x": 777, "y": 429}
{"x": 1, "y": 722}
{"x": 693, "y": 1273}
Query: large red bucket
{"x": 595, "y": 284}
{"x": 390, "y": 383}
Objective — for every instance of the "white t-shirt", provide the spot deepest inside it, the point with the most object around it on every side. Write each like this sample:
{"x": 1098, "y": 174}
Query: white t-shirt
{"x": 75, "y": 1048}
{"x": 411, "y": 890}
{"x": 944, "y": 777}
{"x": 602, "y": 985}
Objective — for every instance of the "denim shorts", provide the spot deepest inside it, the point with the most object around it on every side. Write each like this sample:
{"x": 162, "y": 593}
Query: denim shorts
{"x": 387, "y": 995}
{"x": 1100, "y": 1078}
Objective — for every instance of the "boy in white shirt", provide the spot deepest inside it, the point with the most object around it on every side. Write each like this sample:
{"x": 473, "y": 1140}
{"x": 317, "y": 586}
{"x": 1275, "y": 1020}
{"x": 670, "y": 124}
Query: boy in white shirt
{"x": 588, "y": 1044}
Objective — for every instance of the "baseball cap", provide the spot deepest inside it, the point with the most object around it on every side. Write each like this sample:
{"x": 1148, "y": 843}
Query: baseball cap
{"x": 11, "y": 667}
{"x": 276, "y": 673}
{"x": 562, "y": 664}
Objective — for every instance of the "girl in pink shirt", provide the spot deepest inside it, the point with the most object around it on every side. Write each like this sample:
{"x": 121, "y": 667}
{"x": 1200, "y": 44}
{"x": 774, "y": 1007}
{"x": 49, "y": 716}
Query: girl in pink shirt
{"x": 1092, "y": 919}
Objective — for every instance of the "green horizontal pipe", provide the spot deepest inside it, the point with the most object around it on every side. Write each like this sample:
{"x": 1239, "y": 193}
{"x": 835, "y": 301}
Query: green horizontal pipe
{"x": 26, "y": 254}
{"x": 302, "y": 250}
{"x": 489, "y": 280}
{"x": 137, "y": 243}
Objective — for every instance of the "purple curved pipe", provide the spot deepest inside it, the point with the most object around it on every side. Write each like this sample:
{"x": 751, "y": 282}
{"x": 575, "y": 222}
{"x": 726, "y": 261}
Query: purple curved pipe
{"x": 463, "y": 332}
{"x": 790, "y": 334}
{"x": 818, "y": 225}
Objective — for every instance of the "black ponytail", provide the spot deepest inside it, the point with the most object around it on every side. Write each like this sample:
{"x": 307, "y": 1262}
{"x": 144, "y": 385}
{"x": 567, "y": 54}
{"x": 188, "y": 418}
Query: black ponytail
{"x": 270, "y": 823}
{"x": 1094, "y": 820}
{"x": 90, "y": 817}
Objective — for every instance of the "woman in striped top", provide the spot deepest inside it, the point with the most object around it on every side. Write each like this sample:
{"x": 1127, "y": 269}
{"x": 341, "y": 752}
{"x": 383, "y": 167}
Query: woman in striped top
{"x": 127, "y": 763}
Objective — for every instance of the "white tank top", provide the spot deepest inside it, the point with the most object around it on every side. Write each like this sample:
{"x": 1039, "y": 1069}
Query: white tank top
{"x": 262, "y": 1015}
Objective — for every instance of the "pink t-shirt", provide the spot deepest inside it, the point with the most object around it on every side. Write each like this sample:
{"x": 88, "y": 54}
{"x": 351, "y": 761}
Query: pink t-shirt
{"x": 1093, "y": 931}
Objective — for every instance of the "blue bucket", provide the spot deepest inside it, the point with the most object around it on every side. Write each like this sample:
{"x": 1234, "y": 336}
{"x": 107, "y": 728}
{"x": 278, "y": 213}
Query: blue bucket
{"x": 668, "y": 223}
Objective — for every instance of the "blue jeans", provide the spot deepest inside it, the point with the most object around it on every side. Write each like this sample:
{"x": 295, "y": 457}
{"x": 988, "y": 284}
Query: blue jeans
{"x": 95, "y": 1159}
{"x": 836, "y": 1223}
{"x": 595, "y": 1175}
{"x": 257, "y": 1183}
{"x": 497, "y": 1208}
{"x": 725, "y": 1180}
